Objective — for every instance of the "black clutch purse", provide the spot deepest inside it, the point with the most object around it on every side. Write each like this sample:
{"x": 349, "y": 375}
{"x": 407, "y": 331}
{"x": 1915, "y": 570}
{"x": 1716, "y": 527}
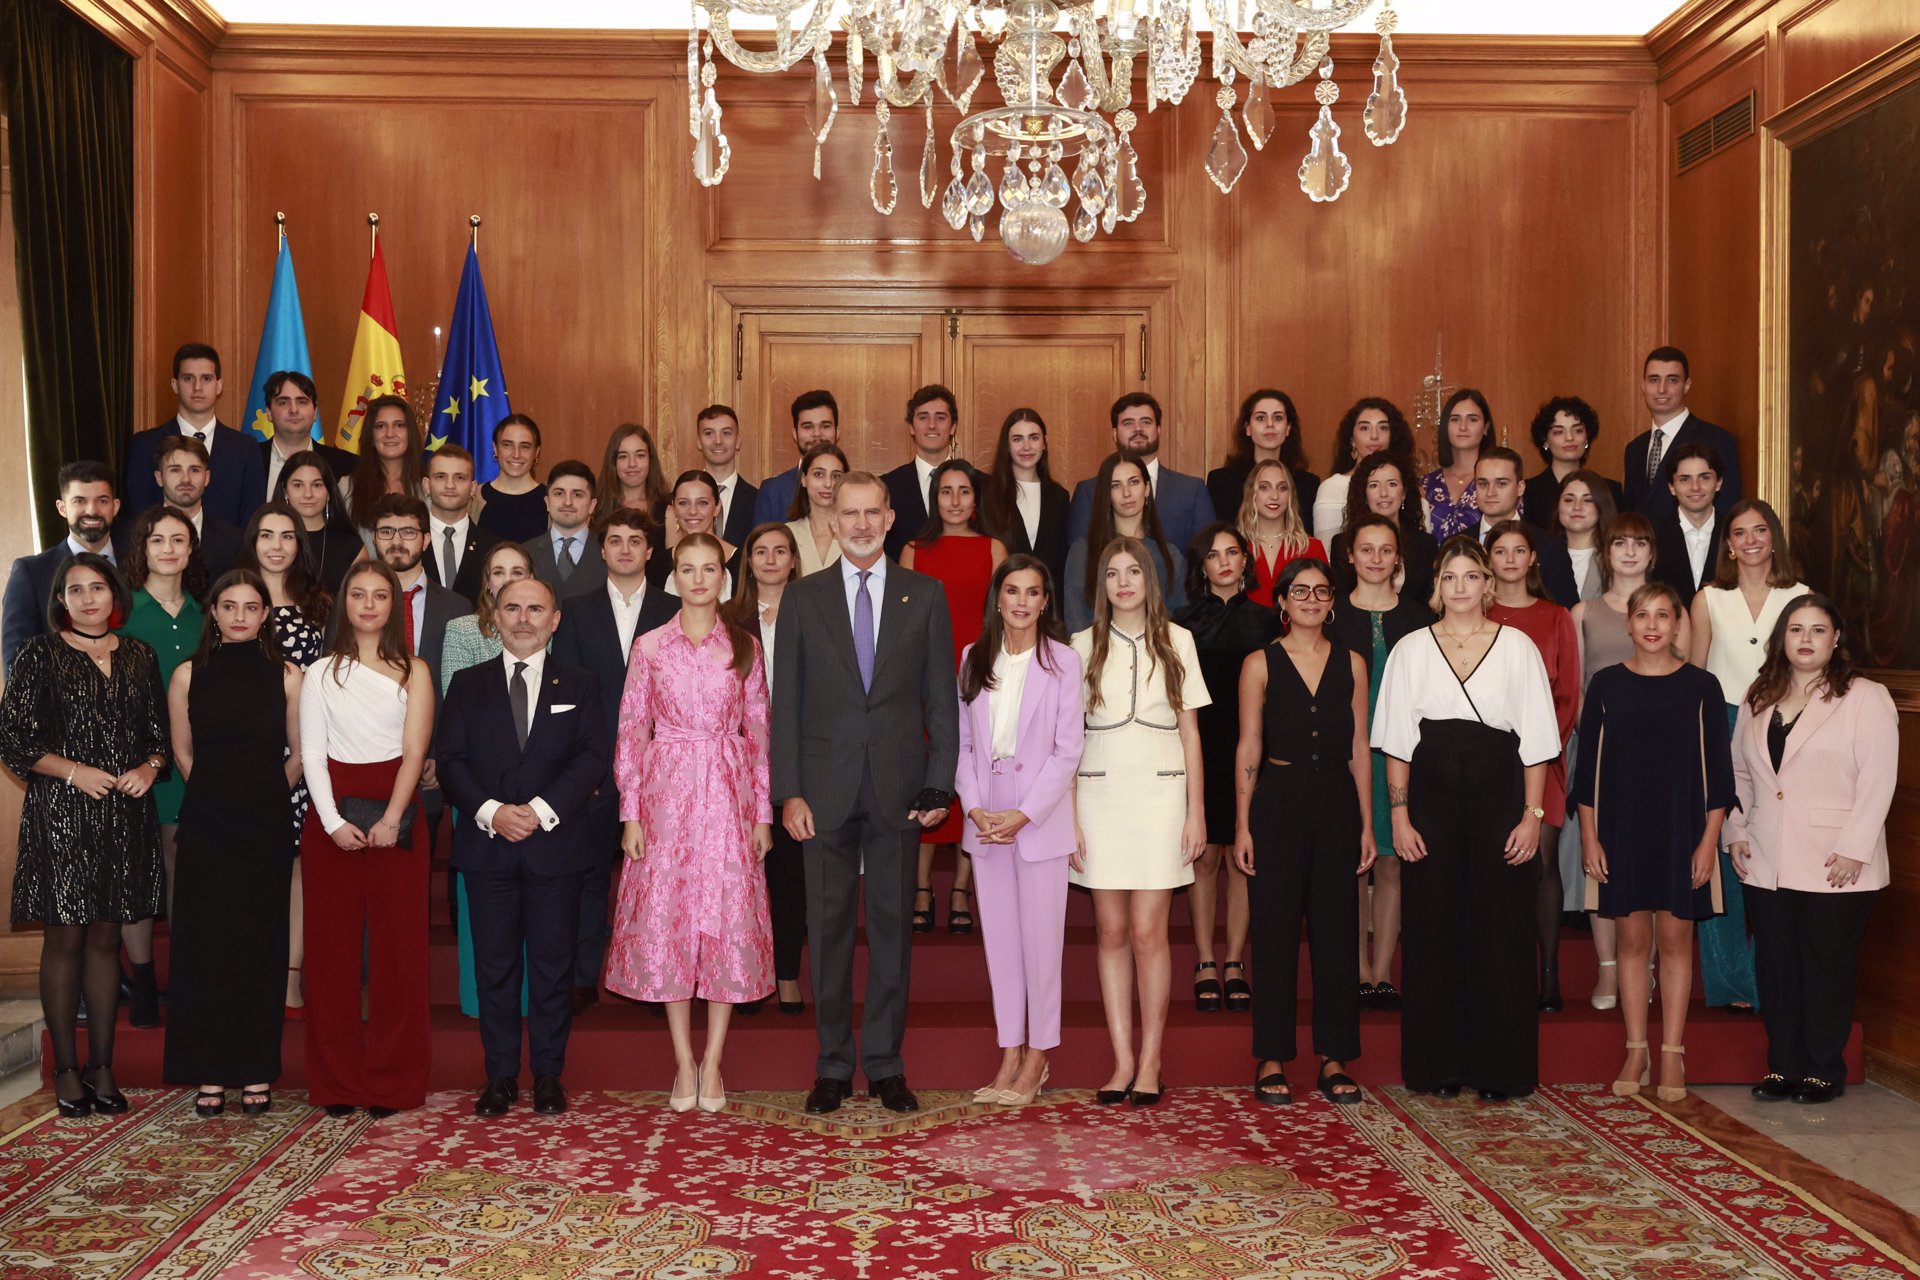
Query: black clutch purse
{"x": 363, "y": 812}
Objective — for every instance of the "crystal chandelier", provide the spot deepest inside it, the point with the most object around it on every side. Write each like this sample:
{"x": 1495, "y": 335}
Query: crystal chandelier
{"x": 1051, "y": 117}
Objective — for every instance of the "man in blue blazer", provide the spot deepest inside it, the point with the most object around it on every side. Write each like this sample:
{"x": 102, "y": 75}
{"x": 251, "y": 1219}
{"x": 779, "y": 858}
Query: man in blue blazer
{"x": 522, "y": 747}
{"x": 1666, "y": 378}
{"x": 1180, "y": 499}
{"x": 184, "y": 479}
{"x": 933, "y": 415}
{"x": 816, "y": 420}
{"x": 88, "y": 505}
{"x": 239, "y": 472}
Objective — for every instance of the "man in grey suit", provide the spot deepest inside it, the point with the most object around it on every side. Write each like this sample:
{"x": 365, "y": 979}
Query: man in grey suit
{"x": 565, "y": 556}
{"x": 865, "y": 743}
{"x": 1180, "y": 499}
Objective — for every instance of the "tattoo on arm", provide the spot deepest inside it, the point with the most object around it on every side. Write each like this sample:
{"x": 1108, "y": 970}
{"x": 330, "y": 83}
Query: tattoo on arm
{"x": 1396, "y": 797}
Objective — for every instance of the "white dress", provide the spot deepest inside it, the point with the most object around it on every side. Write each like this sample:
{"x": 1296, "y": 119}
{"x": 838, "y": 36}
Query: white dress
{"x": 1130, "y": 795}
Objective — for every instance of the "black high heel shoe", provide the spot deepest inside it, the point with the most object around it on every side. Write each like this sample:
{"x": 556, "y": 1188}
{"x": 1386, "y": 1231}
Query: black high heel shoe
{"x": 1550, "y": 1001}
{"x": 1206, "y": 991}
{"x": 72, "y": 1108}
{"x": 1113, "y": 1097}
{"x": 961, "y": 921}
{"x": 109, "y": 1101}
{"x": 922, "y": 920}
{"x": 1239, "y": 994}
{"x": 209, "y": 1103}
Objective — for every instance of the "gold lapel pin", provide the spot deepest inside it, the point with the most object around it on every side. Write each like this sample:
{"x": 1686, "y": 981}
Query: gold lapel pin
{"x": 903, "y": 600}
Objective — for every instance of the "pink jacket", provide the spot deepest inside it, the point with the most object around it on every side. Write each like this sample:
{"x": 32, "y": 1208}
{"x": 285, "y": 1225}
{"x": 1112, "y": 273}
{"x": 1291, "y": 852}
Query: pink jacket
{"x": 1052, "y": 731}
{"x": 1831, "y": 794}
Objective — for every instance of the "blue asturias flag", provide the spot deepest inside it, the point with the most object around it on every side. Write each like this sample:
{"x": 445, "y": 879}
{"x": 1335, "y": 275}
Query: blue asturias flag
{"x": 283, "y": 345}
{"x": 473, "y": 389}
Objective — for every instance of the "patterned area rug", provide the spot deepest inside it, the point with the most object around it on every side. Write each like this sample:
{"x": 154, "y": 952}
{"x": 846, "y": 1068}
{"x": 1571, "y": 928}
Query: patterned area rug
{"x": 1208, "y": 1186}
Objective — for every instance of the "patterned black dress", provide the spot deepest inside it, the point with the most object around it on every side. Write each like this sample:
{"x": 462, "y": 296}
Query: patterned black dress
{"x": 84, "y": 860}
{"x": 301, "y": 643}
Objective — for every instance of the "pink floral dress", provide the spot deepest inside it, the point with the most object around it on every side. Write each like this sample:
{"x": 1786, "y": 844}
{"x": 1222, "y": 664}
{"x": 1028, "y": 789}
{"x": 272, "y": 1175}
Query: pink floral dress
{"x": 691, "y": 763}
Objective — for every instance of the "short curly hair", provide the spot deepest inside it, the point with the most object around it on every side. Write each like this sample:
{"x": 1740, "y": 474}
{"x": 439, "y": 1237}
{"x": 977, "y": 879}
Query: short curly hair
{"x": 1579, "y": 409}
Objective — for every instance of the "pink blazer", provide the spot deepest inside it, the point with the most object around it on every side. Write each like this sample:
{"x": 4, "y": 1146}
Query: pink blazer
{"x": 1052, "y": 732}
{"x": 1831, "y": 794}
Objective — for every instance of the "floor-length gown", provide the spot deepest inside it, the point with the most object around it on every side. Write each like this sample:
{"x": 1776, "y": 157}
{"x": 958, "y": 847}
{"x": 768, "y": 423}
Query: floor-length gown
{"x": 964, "y": 567}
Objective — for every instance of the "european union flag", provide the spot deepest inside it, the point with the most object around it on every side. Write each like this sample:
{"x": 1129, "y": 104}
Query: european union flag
{"x": 473, "y": 390}
{"x": 283, "y": 345}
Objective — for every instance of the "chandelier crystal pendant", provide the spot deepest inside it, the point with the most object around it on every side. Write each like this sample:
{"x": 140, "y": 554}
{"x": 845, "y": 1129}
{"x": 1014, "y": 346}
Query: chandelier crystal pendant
{"x": 1064, "y": 70}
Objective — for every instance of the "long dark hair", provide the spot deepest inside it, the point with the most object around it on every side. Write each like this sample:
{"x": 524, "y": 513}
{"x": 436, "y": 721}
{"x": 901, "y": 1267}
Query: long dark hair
{"x": 303, "y": 584}
{"x": 935, "y": 527}
{"x": 977, "y": 675}
{"x": 1159, "y": 639}
{"x": 744, "y": 607}
{"x": 1776, "y": 673}
{"x": 1240, "y": 448}
{"x": 802, "y": 503}
{"x": 1536, "y": 585}
{"x": 267, "y": 638}
{"x": 336, "y": 517}
{"x": 1602, "y": 499}
{"x": 369, "y": 470}
{"x": 1410, "y": 517}
{"x": 1783, "y": 573}
{"x": 738, "y": 638}
{"x": 999, "y": 502}
{"x": 393, "y": 641}
{"x": 1399, "y": 433}
{"x": 1487, "y": 437}
{"x": 608, "y": 490}
{"x": 193, "y": 578}
{"x": 1198, "y": 588}
{"x": 1100, "y": 523}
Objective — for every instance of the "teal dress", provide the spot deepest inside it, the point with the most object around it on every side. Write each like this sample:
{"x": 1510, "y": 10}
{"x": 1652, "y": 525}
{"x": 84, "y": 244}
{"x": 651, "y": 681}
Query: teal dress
{"x": 1377, "y": 663}
{"x": 173, "y": 637}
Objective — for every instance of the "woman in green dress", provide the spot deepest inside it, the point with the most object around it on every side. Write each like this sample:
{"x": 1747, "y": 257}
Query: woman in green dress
{"x": 164, "y": 572}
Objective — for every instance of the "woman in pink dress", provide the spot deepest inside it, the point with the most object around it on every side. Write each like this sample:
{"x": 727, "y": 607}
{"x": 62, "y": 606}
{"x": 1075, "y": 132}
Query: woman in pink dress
{"x": 691, "y": 763}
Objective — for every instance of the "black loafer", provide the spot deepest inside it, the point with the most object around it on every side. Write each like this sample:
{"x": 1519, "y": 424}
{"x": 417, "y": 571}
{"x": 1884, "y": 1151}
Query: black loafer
{"x": 1369, "y": 996}
{"x": 827, "y": 1094}
{"x": 1386, "y": 997}
{"x": 893, "y": 1093}
{"x": 1774, "y": 1087}
{"x": 1812, "y": 1090}
{"x": 549, "y": 1097}
{"x": 1451, "y": 1089}
{"x": 501, "y": 1092}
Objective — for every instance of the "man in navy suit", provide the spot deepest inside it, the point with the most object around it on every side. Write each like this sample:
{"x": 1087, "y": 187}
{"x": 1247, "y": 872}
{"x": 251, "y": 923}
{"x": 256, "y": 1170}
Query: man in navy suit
{"x": 238, "y": 471}
{"x": 184, "y": 477}
{"x": 1180, "y": 499}
{"x": 292, "y": 408}
{"x": 1498, "y": 487}
{"x": 457, "y": 546}
{"x": 716, "y": 432}
{"x": 933, "y": 415}
{"x": 816, "y": 420}
{"x": 523, "y": 744}
{"x": 1689, "y": 541}
{"x": 1666, "y": 379}
{"x": 88, "y": 505}
{"x": 596, "y": 634}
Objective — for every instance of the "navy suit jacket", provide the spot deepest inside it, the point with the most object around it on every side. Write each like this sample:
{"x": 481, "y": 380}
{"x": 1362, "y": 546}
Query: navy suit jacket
{"x": 466, "y": 582}
{"x": 566, "y": 757}
{"x": 588, "y": 638}
{"x": 239, "y": 474}
{"x": 775, "y": 496}
{"x": 740, "y": 520}
{"x": 338, "y": 461}
{"x": 23, "y": 614}
{"x": 1181, "y": 499}
{"x": 1674, "y": 567}
{"x": 219, "y": 544}
{"x": 909, "y": 504}
{"x": 1655, "y": 500}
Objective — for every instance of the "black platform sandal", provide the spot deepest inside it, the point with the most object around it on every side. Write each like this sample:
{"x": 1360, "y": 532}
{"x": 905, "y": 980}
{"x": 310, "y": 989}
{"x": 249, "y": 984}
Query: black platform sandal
{"x": 256, "y": 1102}
{"x": 209, "y": 1103}
{"x": 1206, "y": 991}
{"x": 960, "y": 921}
{"x": 72, "y": 1108}
{"x": 1339, "y": 1086}
{"x": 1272, "y": 1088}
{"x": 1386, "y": 996}
{"x": 1239, "y": 994}
{"x": 923, "y": 920}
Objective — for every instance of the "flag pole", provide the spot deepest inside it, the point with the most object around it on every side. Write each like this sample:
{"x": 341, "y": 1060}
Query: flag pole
{"x": 373, "y": 233}
{"x": 280, "y": 224}
{"x": 473, "y": 223}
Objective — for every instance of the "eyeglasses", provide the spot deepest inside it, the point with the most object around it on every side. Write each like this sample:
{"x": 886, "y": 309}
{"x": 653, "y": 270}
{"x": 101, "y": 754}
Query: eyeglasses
{"x": 397, "y": 535}
{"x": 1301, "y": 591}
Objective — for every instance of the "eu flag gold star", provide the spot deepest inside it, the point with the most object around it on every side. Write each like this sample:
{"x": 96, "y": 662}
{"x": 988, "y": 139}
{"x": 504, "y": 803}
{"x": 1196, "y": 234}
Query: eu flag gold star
{"x": 478, "y": 388}
{"x": 453, "y": 408}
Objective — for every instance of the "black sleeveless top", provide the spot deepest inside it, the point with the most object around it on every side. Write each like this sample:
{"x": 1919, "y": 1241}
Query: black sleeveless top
{"x": 1313, "y": 731}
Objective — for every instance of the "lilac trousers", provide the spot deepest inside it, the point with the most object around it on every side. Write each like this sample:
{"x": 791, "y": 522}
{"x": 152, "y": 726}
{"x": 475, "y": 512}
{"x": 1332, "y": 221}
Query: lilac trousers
{"x": 1023, "y": 921}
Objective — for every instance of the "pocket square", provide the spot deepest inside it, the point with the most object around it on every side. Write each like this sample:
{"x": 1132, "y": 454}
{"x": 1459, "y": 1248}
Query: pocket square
{"x": 565, "y": 706}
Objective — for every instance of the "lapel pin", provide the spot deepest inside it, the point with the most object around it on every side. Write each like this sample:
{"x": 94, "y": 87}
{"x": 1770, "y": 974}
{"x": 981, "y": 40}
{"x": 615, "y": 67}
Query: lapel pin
{"x": 903, "y": 600}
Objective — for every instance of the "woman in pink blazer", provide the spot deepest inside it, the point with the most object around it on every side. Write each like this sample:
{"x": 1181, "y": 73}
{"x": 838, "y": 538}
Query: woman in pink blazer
{"x": 1021, "y": 730}
{"x": 1815, "y": 752}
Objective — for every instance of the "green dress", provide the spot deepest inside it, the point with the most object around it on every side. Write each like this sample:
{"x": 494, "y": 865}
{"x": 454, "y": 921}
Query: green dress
{"x": 173, "y": 637}
{"x": 1377, "y": 663}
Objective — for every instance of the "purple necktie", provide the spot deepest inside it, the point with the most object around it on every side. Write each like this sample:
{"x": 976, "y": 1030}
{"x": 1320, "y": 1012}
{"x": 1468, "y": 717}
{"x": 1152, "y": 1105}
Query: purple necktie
{"x": 863, "y": 631}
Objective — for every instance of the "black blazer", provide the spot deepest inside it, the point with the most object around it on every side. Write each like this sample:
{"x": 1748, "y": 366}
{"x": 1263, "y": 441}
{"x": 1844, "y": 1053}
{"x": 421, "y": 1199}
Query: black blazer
{"x": 1671, "y": 563}
{"x": 1655, "y": 500}
{"x": 338, "y": 461}
{"x": 219, "y": 545}
{"x": 239, "y": 473}
{"x": 472, "y": 557}
{"x": 1051, "y": 545}
{"x": 589, "y": 638}
{"x": 1418, "y": 551}
{"x": 1351, "y": 627}
{"x": 909, "y": 504}
{"x": 480, "y": 758}
{"x": 740, "y": 512}
{"x": 1543, "y": 495}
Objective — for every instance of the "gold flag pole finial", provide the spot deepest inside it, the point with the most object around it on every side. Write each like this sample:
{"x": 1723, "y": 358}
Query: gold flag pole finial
{"x": 473, "y": 226}
{"x": 280, "y": 225}
{"x": 373, "y": 233}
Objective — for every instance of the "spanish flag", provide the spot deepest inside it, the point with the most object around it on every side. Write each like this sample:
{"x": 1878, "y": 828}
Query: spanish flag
{"x": 375, "y": 369}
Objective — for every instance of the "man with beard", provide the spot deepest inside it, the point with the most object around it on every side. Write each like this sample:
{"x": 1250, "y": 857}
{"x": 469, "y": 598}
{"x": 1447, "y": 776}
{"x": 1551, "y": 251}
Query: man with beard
{"x": 183, "y": 473}
{"x": 1180, "y": 499}
{"x": 88, "y": 504}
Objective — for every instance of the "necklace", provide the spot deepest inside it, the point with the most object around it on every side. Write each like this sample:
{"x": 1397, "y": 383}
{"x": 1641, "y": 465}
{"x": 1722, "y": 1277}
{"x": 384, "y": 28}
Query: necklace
{"x": 88, "y": 635}
{"x": 1460, "y": 642}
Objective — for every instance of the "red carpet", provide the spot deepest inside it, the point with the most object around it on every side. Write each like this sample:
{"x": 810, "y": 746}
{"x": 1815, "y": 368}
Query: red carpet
{"x": 1208, "y": 1186}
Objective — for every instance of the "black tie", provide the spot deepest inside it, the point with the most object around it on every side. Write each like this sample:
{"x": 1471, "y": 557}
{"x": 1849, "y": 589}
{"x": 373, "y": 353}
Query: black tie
{"x": 517, "y": 692}
{"x": 446, "y": 561}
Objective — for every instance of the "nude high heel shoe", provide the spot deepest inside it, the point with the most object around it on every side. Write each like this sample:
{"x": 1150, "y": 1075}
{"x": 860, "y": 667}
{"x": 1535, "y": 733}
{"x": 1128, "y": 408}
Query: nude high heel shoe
{"x": 1663, "y": 1092}
{"x": 1605, "y": 1002}
{"x": 1632, "y": 1088}
{"x": 714, "y": 1106}
{"x": 1009, "y": 1098}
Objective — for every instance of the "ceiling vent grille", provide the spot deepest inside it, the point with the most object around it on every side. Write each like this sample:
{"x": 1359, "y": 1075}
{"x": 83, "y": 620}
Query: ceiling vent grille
{"x": 1714, "y": 135}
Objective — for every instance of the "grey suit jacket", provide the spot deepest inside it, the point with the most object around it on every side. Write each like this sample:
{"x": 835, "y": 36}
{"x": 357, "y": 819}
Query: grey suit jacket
{"x": 906, "y": 729}
{"x": 589, "y": 575}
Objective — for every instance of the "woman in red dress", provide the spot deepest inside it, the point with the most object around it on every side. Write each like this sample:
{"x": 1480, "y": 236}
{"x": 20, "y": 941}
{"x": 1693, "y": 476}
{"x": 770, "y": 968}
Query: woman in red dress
{"x": 956, "y": 549}
{"x": 1520, "y": 601}
{"x": 1270, "y": 518}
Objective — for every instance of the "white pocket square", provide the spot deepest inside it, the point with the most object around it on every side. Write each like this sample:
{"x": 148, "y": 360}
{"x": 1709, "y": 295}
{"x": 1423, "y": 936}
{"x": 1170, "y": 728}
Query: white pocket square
{"x": 565, "y": 706}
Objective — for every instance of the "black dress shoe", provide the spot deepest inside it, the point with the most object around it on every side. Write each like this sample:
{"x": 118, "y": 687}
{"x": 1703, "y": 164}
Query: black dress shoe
{"x": 793, "y": 1008}
{"x": 584, "y": 998}
{"x": 827, "y": 1094}
{"x": 1451, "y": 1089}
{"x": 1492, "y": 1095}
{"x": 1386, "y": 996}
{"x": 1113, "y": 1097}
{"x": 339, "y": 1109}
{"x": 893, "y": 1093}
{"x": 549, "y": 1098}
{"x": 110, "y": 1101}
{"x": 1141, "y": 1098}
{"x": 1774, "y": 1087}
{"x": 501, "y": 1092}
{"x": 1812, "y": 1090}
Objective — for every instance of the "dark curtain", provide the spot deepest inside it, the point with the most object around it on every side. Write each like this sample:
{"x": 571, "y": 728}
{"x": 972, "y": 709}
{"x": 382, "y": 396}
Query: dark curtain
{"x": 70, "y": 131}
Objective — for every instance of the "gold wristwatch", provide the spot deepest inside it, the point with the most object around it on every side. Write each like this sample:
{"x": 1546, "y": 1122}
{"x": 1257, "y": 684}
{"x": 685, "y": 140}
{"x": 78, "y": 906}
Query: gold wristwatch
{"x": 1537, "y": 812}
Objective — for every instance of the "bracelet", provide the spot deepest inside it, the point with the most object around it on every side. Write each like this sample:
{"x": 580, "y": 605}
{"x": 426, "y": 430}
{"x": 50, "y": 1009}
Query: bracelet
{"x": 73, "y": 767}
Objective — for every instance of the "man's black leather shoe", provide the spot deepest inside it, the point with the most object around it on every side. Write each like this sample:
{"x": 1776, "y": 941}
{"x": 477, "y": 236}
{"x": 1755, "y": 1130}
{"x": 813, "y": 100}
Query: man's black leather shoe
{"x": 500, "y": 1093}
{"x": 827, "y": 1094}
{"x": 549, "y": 1098}
{"x": 894, "y": 1094}
{"x": 1774, "y": 1087}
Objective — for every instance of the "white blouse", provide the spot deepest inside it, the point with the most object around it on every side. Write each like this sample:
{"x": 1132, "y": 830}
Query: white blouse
{"x": 1026, "y": 497}
{"x": 1508, "y": 691}
{"x": 1003, "y": 700}
{"x": 1329, "y": 508}
{"x": 356, "y": 717}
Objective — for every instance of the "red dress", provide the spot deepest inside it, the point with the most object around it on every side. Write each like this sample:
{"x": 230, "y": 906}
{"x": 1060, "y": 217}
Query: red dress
{"x": 1550, "y": 627}
{"x": 1264, "y": 574}
{"x": 964, "y": 567}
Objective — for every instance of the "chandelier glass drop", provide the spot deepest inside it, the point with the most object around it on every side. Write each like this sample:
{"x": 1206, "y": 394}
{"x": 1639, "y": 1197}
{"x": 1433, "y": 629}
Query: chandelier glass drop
{"x": 1061, "y": 140}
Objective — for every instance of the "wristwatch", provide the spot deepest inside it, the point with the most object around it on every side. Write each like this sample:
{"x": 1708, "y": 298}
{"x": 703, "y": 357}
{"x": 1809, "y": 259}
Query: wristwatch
{"x": 1537, "y": 812}
{"x": 156, "y": 762}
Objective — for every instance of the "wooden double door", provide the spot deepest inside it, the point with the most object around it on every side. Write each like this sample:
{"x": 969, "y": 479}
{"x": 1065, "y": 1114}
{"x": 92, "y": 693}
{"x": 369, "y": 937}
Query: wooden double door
{"x": 1067, "y": 365}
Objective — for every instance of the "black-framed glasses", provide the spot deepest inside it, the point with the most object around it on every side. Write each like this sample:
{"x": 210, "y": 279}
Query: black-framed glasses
{"x": 398, "y": 535}
{"x": 1307, "y": 591}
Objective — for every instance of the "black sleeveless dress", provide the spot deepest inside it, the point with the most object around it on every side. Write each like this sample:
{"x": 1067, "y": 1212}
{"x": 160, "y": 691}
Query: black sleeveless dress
{"x": 226, "y": 993}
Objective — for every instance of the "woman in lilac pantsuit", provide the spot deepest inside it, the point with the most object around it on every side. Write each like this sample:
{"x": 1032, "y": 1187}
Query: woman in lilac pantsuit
{"x": 1021, "y": 728}
{"x": 691, "y": 764}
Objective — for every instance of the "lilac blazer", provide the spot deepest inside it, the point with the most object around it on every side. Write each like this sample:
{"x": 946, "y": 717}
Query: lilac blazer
{"x": 1052, "y": 731}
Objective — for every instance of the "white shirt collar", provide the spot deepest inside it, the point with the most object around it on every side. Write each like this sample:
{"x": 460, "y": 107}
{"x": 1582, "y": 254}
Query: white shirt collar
{"x": 848, "y": 573}
{"x": 1153, "y": 474}
{"x": 535, "y": 664}
{"x": 74, "y": 548}
{"x": 1693, "y": 531}
{"x": 188, "y": 429}
{"x": 924, "y": 470}
{"x": 623, "y": 602}
{"x": 459, "y": 526}
{"x": 1667, "y": 431}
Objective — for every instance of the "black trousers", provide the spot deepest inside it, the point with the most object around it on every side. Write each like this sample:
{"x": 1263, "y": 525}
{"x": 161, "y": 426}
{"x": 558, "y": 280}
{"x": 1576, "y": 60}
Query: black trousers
{"x": 595, "y": 929}
{"x": 1306, "y": 844}
{"x": 1806, "y": 953}
{"x": 787, "y": 903}
{"x": 1471, "y": 1011}
{"x": 520, "y": 912}
{"x": 833, "y": 874}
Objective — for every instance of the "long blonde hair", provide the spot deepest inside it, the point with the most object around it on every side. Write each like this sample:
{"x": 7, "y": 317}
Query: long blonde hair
{"x": 1293, "y": 530}
{"x": 1159, "y": 639}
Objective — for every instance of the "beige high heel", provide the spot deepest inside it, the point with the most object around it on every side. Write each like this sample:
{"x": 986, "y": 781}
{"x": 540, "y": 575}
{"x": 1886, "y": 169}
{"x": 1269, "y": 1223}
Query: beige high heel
{"x": 1632, "y": 1088}
{"x": 1009, "y": 1098}
{"x": 1663, "y": 1092}
{"x": 1605, "y": 1002}
{"x": 714, "y": 1106}
{"x": 986, "y": 1093}
{"x": 683, "y": 1102}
